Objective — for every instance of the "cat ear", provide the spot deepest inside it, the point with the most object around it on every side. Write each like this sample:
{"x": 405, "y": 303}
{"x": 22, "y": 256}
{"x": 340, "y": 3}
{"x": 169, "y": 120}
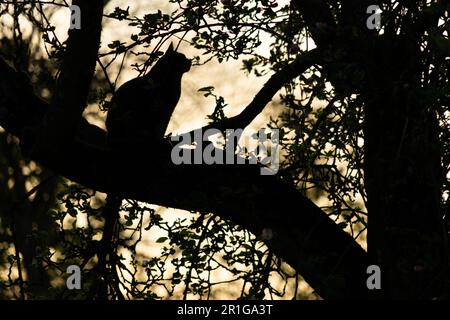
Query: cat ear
{"x": 170, "y": 49}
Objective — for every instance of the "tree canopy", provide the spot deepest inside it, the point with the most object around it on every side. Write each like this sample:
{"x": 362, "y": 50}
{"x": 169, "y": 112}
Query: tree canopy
{"x": 364, "y": 136}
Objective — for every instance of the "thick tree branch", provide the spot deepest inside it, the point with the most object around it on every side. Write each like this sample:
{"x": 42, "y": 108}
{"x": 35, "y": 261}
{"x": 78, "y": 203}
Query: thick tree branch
{"x": 69, "y": 100}
{"x": 305, "y": 237}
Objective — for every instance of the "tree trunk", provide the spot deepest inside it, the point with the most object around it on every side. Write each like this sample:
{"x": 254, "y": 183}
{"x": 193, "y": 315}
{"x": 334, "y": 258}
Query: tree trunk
{"x": 406, "y": 235}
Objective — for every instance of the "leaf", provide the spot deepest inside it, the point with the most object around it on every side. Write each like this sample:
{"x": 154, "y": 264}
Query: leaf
{"x": 206, "y": 89}
{"x": 120, "y": 14}
{"x": 115, "y": 44}
{"x": 129, "y": 223}
{"x": 342, "y": 224}
{"x": 72, "y": 212}
{"x": 161, "y": 240}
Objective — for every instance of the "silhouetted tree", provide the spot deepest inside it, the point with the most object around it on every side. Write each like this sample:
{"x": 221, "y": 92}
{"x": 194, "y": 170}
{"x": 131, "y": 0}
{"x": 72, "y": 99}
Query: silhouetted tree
{"x": 377, "y": 147}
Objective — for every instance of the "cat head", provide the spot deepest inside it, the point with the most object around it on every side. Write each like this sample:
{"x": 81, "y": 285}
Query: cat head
{"x": 175, "y": 60}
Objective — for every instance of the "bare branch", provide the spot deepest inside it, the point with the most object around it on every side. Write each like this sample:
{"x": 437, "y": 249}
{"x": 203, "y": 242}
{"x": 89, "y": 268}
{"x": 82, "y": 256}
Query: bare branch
{"x": 270, "y": 88}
